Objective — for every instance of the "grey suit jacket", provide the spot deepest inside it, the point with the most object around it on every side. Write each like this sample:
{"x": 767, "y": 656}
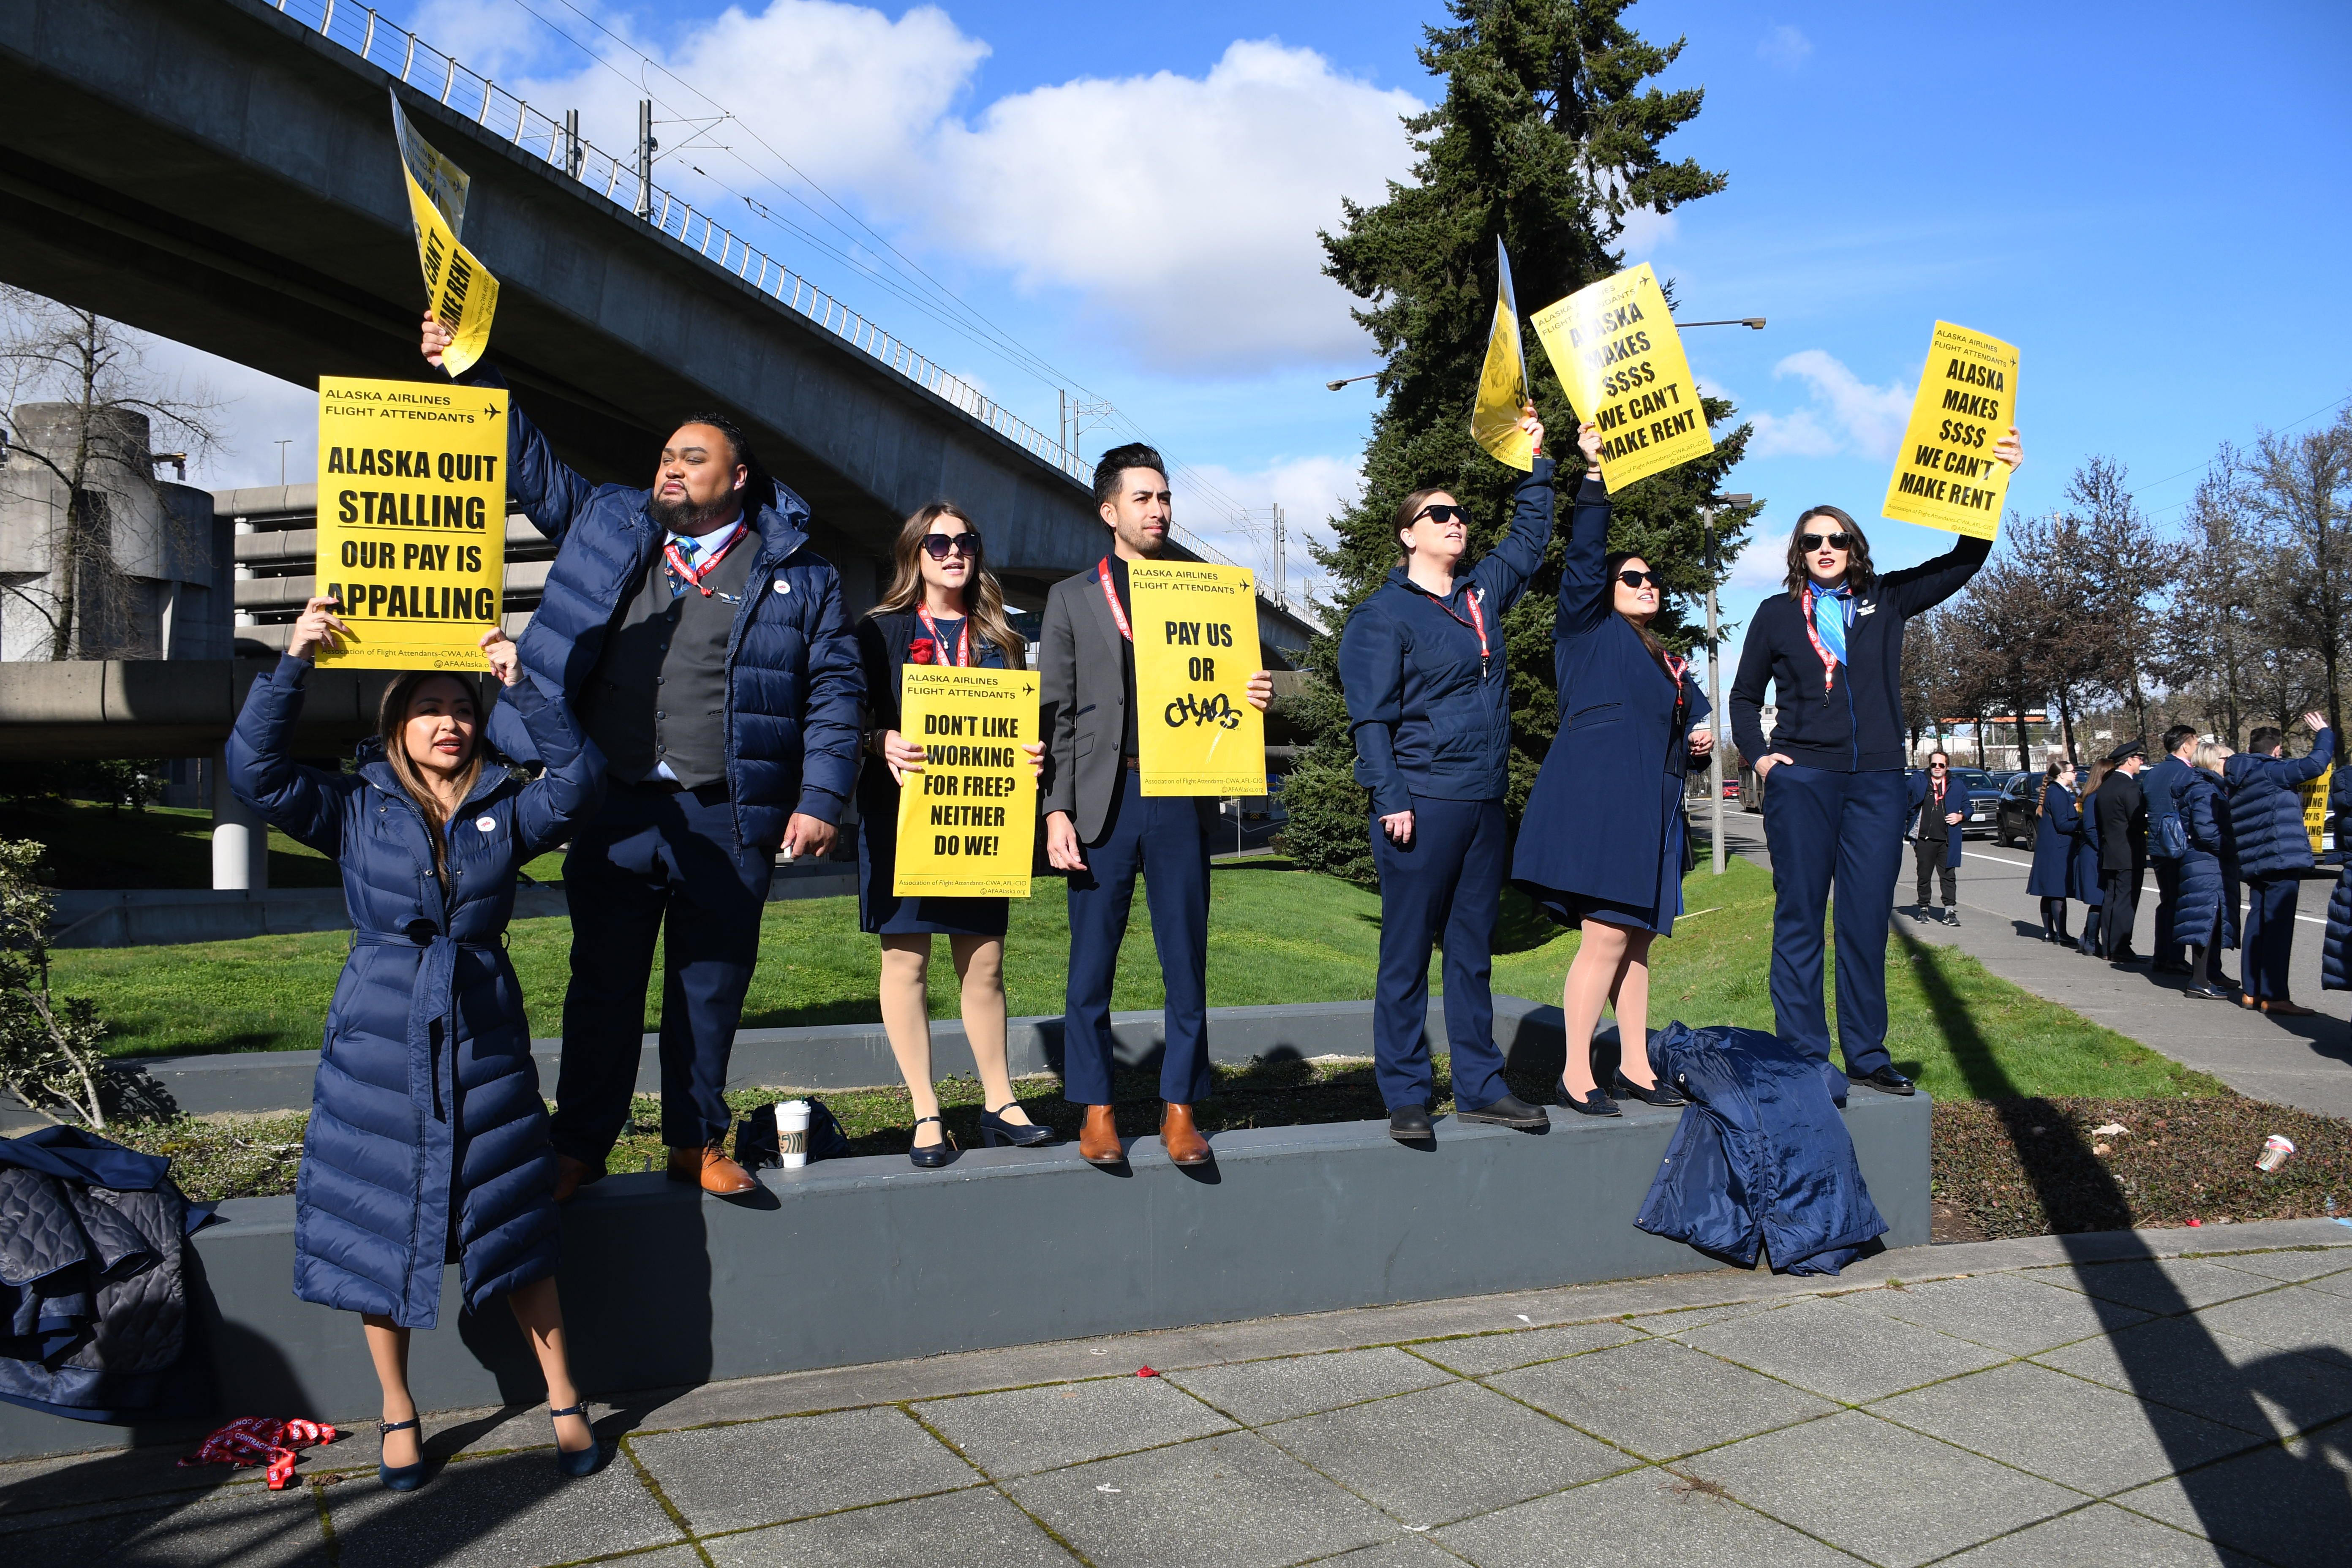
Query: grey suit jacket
{"x": 1082, "y": 704}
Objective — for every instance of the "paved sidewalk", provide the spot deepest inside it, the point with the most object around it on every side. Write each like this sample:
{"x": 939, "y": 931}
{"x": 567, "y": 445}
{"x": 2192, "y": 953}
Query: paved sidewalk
{"x": 2047, "y": 1401}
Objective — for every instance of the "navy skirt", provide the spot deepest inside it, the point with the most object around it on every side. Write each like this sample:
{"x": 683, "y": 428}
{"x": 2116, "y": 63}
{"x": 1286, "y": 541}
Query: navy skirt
{"x": 1572, "y": 909}
{"x": 883, "y": 913}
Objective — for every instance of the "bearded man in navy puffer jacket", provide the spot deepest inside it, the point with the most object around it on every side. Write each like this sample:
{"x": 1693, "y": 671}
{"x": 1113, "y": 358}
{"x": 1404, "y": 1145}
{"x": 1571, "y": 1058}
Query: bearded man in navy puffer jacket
{"x": 707, "y": 652}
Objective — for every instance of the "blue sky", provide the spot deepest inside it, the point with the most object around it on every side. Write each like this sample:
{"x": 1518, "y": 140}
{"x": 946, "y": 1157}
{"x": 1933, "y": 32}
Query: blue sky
{"x": 2148, "y": 199}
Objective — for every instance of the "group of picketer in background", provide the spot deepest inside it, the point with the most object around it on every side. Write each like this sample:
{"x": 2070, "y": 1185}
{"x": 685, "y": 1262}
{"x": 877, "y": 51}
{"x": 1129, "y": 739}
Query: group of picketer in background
{"x": 2213, "y": 823}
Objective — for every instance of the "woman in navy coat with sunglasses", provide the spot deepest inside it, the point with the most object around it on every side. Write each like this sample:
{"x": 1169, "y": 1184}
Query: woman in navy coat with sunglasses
{"x": 1601, "y": 845}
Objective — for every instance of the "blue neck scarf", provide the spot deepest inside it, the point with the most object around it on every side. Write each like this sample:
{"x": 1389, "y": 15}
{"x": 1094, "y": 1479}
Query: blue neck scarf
{"x": 1832, "y": 610}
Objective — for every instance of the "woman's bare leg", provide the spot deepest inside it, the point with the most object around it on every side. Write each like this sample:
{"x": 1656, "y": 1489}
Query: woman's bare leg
{"x": 540, "y": 1312}
{"x": 980, "y": 964}
{"x": 1631, "y": 996}
{"x": 1591, "y": 975}
{"x": 388, "y": 1348}
{"x": 906, "y": 1019}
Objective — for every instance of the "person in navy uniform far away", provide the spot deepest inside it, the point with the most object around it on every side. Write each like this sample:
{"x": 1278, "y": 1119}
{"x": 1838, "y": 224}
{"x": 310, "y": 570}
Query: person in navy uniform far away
{"x": 2053, "y": 879}
{"x": 706, "y": 649}
{"x": 2205, "y": 902}
{"x": 1832, "y": 648}
{"x": 2161, "y": 784}
{"x": 2086, "y": 870}
{"x": 1103, "y": 830}
{"x": 1601, "y": 847}
{"x": 2120, "y": 809}
{"x": 943, "y": 608}
{"x": 2273, "y": 850}
{"x": 1428, "y": 688}
{"x": 1936, "y": 836}
{"x": 427, "y": 1141}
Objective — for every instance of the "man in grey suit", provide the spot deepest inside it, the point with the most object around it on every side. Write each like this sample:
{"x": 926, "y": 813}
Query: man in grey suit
{"x": 1102, "y": 830}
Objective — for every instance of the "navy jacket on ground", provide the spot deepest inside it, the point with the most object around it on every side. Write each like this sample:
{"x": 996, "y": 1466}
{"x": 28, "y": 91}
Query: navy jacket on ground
{"x": 427, "y": 1125}
{"x": 2057, "y": 843}
{"x": 1428, "y": 719}
{"x": 1857, "y": 726}
{"x": 1762, "y": 1158}
{"x": 2265, "y": 813}
{"x": 2209, "y": 872}
{"x": 793, "y": 688}
{"x": 1956, "y": 798}
{"x": 1597, "y": 821}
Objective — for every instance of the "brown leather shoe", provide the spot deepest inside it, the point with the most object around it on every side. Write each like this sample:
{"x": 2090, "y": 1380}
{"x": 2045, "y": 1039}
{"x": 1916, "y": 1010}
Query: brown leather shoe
{"x": 1098, "y": 1138}
{"x": 572, "y": 1174}
{"x": 712, "y": 1168}
{"x": 2279, "y": 1007}
{"x": 1183, "y": 1141}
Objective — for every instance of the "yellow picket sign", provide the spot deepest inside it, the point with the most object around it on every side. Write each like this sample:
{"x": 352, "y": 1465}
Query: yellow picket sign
{"x": 412, "y": 520}
{"x": 968, "y": 822}
{"x": 1195, "y": 650}
{"x": 1945, "y": 475}
{"x": 1618, "y": 354}
{"x": 2315, "y": 806}
{"x": 458, "y": 289}
{"x": 1502, "y": 383}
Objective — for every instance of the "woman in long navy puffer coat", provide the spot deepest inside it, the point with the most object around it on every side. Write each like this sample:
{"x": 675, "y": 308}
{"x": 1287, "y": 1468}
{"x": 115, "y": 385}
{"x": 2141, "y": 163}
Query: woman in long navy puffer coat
{"x": 2053, "y": 879}
{"x": 427, "y": 1140}
{"x": 2205, "y": 910}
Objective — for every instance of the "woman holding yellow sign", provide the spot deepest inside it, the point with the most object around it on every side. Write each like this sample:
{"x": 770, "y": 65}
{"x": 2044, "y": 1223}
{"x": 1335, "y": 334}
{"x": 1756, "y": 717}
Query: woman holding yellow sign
{"x": 943, "y": 608}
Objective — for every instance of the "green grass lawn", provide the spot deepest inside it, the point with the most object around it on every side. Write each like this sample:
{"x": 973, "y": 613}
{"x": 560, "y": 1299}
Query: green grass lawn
{"x": 1275, "y": 935}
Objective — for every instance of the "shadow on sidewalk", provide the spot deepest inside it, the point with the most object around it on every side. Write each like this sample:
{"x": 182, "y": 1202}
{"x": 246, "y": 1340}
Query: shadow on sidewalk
{"x": 2303, "y": 1495}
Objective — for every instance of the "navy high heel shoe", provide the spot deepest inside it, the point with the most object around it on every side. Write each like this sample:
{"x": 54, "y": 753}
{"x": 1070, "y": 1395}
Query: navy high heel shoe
{"x": 931, "y": 1157}
{"x": 578, "y": 1462}
{"x": 403, "y": 1478}
{"x": 994, "y": 1129}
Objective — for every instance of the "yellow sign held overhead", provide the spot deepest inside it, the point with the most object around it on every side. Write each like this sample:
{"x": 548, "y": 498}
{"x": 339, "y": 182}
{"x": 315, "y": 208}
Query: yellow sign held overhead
{"x": 968, "y": 822}
{"x": 412, "y": 520}
{"x": 1503, "y": 384}
{"x": 1945, "y": 475}
{"x": 1195, "y": 650}
{"x": 458, "y": 290}
{"x": 1618, "y": 354}
{"x": 2315, "y": 806}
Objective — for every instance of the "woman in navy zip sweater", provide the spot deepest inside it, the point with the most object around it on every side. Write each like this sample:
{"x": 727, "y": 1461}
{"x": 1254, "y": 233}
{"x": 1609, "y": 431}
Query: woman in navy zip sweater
{"x": 1832, "y": 775}
{"x": 1428, "y": 699}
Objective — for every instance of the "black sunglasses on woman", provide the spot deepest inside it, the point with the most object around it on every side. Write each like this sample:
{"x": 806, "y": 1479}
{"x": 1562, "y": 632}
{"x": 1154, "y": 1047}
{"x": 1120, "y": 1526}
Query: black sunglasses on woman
{"x": 939, "y": 546}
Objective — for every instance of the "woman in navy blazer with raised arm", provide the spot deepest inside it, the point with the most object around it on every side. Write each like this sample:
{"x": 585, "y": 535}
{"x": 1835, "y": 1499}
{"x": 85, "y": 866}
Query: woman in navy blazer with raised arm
{"x": 1601, "y": 845}
{"x": 1428, "y": 689}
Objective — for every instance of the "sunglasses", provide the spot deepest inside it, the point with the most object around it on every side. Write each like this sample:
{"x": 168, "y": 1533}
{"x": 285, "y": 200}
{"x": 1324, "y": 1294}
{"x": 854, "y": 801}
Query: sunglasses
{"x": 939, "y": 546}
{"x": 1937, "y": 767}
{"x": 1815, "y": 541}
{"x": 1442, "y": 515}
{"x": 1635, "y": 579}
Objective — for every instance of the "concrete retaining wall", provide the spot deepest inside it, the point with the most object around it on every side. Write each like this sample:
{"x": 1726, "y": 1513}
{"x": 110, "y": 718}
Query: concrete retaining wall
{"x": 869, "y": 1259}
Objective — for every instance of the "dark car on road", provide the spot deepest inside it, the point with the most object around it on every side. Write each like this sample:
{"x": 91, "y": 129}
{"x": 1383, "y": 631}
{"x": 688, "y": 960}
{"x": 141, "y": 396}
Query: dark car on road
{"x": 2019, "y": 797}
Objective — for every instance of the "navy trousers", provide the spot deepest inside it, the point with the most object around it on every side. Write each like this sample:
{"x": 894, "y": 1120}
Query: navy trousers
{"x": 657, "y": 865}
{"x": 1165, "y": 839}
{"x": 2168, "y": 893}
{"x": 1448, "y": 880}
{"x": 2269, "y": 939}
{"x": 1843, "y": 830}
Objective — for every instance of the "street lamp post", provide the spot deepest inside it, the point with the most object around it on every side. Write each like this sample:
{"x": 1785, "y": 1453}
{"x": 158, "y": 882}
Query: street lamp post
{"x": 1715, "y": 676}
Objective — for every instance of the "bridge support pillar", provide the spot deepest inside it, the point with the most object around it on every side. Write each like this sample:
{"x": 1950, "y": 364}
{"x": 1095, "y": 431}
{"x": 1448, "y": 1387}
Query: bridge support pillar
{"x": 240, "y": 836}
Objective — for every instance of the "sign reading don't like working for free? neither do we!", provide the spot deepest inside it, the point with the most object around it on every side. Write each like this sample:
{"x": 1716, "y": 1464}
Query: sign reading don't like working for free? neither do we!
{"x": 968, "y": 821}
{"x": 412, "y": 520}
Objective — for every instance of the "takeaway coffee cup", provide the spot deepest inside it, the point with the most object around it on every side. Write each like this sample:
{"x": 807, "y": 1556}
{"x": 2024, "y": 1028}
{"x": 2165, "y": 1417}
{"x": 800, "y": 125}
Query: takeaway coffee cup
{"x": 2275, "y": 1150}
{"x": 792, "y": 1132}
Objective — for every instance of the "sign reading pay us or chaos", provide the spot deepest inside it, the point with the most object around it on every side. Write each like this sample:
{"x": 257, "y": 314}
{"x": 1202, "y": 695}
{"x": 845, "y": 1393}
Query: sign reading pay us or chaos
{"x": 968, "y": 822}
{"x": 412, "y": 520}
{"x": 1195, "y": 650}
{"x": 1621, "y": 361}
{"x": 1945, "y": 475}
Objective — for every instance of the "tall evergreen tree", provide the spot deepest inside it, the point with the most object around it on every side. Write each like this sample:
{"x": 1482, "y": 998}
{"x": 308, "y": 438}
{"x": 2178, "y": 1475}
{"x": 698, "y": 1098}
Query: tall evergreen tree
{"x": 1548, "y": 137}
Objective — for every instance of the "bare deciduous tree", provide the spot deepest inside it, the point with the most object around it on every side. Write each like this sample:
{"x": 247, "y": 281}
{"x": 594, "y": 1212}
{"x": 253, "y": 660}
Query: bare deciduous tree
{"x": 2127, "y": 570}
{"x": 2301, "y": 488}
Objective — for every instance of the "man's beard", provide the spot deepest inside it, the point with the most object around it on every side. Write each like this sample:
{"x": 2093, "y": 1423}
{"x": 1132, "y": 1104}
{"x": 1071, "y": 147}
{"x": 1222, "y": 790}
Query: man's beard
{"x": 685, "y": 517}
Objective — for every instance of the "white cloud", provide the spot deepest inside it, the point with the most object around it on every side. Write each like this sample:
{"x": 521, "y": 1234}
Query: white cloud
{"x": 1311, "y": 490}
{"x": 1846, "y": 414}
{"x": 1784, "y": 46}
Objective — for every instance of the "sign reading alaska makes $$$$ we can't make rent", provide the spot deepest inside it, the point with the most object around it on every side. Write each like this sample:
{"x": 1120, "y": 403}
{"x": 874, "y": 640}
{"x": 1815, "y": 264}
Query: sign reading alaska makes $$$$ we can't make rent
{"x": 412, "y": 520}
{"x": 1622, "y": 363}
{"x": 1945, "y": 475}
{"x": 968, "y": 822}
{"x": 1195, "y": 650}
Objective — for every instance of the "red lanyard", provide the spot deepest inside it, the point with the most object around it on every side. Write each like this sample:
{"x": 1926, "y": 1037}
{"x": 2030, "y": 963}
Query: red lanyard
{"x": 1829, "y": 660}
{"x": 1102, "y": 575}
{"x": 695, "y": 575}
{"x": 963, "y": 637}
{"x": 1476, "y": 623}
{"x": 1675, "y": 665}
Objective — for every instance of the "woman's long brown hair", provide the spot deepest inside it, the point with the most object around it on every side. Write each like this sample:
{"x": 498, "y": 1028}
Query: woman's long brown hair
{"x": 1609, "y": 570}
{"x": 984, "y": 598}
{"x": 391, "y": 727}
{"x": 2041, "y": 801}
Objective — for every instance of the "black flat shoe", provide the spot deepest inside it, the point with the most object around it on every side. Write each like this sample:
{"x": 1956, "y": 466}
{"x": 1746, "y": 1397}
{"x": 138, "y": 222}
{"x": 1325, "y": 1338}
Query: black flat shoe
{"x": 1410, "y": 1124}
{"x": 2204, "y": 994}
{"x": 996, "y": 1129}
{"x": 1595, "y": 1103}
{"x": 931, "y": 1156}
{"x": 1656, "y": 1094}
{"x": 1885, "y": 1081}
{"x": 1509, "y": 1111}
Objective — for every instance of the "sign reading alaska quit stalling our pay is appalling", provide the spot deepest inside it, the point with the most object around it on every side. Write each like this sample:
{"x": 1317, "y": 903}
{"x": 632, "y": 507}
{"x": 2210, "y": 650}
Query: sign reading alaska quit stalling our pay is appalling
{"x": 1195, "y": 650}
{"x": 1621, "y": 362}
{"x": 1945, "y": 475}
{"x": 412, "y": 520}
{"x": 968, "y": 822}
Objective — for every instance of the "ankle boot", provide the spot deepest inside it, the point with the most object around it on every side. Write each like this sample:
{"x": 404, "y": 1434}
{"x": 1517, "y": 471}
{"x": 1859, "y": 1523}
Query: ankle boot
{"x": 1098, "y": 1138}
{"x": 1180, "y": 1137}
